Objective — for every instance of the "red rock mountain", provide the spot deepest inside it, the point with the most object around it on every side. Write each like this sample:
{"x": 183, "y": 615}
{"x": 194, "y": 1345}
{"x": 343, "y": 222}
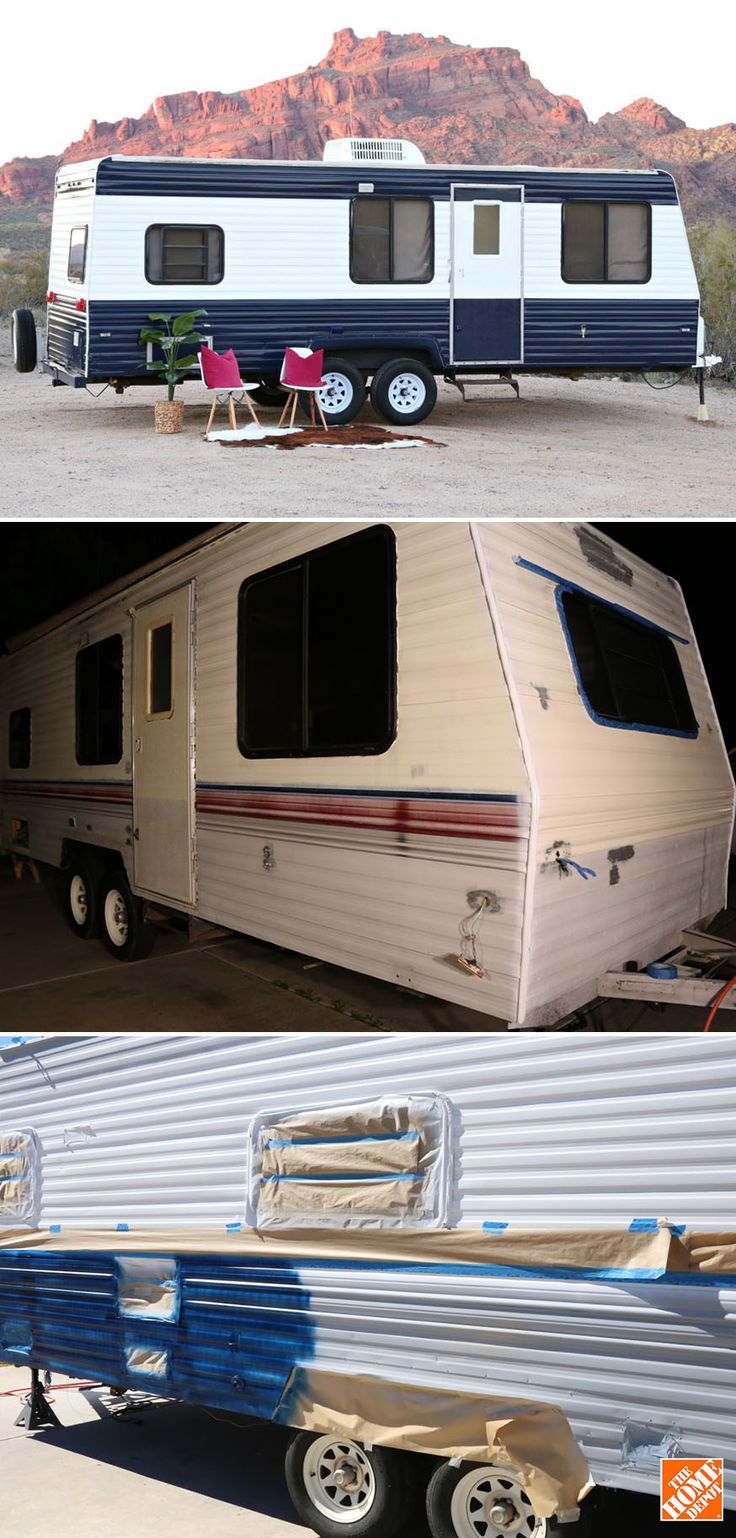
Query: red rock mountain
{"x": 458, "y": 104}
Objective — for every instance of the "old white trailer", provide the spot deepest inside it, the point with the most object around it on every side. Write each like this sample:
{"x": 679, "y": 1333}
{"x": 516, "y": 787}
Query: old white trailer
{"x": 511, "y": 1252}
{"x": 480, "y": 761}
{"x": 401, "y": 271}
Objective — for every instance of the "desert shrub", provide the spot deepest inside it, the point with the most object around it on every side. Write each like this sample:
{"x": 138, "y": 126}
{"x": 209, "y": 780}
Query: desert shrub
{"x": 714, "y": 253}
{"x": 23, "y": 280}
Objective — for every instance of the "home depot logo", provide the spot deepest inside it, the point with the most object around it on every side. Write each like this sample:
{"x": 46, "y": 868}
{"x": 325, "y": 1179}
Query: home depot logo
{"x": 692, "y": 1491}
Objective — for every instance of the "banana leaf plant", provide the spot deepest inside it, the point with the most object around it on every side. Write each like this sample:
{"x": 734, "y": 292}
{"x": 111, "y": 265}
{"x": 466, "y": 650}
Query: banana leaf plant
{"x": 173, "y": 333}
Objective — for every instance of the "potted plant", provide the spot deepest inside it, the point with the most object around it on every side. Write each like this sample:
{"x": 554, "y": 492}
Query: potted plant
{"x": 171, "y": 334}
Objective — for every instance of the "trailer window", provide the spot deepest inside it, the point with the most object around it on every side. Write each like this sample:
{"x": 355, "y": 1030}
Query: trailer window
{"x": 184, "y": 253}
{"x": 19, "y": 738}
{"x": 19, "y": 1177}
{"x": 160, "y": 693}
{"x": 486, "y": 229}
{"x": 317, "y": 652}
{"x": 99, "y": 700}
{"x": 77, "y": 254}
{"x": 392, "y": 240}
{"x": 372, "y": 1164}
{"x": 606, "y": 242}
{"x": 629, "y": 673}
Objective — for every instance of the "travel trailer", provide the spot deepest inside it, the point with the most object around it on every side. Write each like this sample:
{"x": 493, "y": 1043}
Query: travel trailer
{"x": 477, "y": 760}
{"x": 401, "y": 271}
{"x": 512, "y": 1258}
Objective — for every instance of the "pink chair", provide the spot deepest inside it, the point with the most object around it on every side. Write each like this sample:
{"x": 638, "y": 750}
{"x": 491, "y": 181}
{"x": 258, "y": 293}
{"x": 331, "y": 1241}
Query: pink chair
{"x": 301, "y": 372}
{"x": 221, "y": 376}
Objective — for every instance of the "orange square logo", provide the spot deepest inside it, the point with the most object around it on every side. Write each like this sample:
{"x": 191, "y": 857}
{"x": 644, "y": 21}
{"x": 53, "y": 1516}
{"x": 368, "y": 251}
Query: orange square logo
{"x": 691, "y": 1490}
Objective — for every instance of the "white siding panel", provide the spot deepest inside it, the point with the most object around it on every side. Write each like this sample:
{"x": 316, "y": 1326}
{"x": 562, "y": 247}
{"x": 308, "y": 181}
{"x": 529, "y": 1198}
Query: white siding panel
{"x": 673, "y": 273}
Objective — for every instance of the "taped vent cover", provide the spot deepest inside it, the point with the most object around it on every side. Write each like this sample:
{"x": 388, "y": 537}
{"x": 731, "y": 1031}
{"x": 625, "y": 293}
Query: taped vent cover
{"x": 19, "y": 1178}
{"x": 375, "y": 1164}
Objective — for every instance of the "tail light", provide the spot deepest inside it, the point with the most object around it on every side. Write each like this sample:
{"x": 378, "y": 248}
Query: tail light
{"x": 81, "y": 304}
{"x": 50, "y": 297}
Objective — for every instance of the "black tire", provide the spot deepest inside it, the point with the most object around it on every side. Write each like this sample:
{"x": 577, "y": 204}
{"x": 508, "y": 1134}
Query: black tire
{"x": 23, "y": 333}
{"x": 124, "y": 933}
{"x": 418, "y": 392}
{"x": 344, "y": 396}
{"x": 442, "y": 1487}
{"x": 392, "y": 1501}
{"x": 82, "y": 895}
{"x": 268, "y": 394}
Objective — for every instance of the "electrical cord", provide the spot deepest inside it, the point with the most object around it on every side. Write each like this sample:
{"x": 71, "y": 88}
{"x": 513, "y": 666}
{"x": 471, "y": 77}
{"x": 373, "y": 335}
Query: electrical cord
{"x": 718, "y": 1000}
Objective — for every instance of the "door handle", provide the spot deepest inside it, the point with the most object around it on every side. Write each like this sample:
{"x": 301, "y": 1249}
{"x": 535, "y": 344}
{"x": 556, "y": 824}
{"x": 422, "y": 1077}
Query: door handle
{"x": 138, "y": 744}
{"x": 136, "y": 832}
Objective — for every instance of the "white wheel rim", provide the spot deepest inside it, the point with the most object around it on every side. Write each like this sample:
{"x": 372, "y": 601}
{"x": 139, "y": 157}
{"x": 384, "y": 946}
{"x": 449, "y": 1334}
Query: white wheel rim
{"x": 336, "y": 393}
{"x": 14, "y": 328}
{"x": 406, "y": 393}
{"x": 338, "y": 1479}
{"x": 491, "y": 1503}
{"x": 116, "y": 917}
{"x": 78, "y": 899}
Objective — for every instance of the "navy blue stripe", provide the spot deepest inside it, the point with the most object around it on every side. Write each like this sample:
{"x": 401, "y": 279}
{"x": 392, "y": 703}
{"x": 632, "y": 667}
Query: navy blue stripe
{"x": 619, "y": 333}
{"x": 340, "y": 790}
{"x": 135, "y": 177}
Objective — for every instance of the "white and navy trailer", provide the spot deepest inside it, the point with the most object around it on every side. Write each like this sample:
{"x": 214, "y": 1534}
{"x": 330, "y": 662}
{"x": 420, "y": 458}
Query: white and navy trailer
{"x": 477, "y": 760}
{"x": 401, "y": 271}
{"x": 527, "y": 1240}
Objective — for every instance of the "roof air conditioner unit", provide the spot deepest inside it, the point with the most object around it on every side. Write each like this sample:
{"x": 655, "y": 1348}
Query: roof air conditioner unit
{"x": 372, "y": 152}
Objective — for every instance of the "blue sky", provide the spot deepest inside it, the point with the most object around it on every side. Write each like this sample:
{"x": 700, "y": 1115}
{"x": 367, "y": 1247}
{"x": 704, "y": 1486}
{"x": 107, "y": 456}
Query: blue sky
{"x": 680, "y": 54}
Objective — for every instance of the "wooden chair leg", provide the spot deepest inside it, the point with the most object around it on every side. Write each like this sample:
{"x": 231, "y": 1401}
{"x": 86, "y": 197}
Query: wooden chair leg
{"x": 311, "y": 408}
{"x": 321, "y": 412}
{"x": 293, "y": 409}
{"x": 212, "y": 413}
{"x": 231, "y": 413}
{"x": 251, "y": 408}
{"x": 285, "y": 411}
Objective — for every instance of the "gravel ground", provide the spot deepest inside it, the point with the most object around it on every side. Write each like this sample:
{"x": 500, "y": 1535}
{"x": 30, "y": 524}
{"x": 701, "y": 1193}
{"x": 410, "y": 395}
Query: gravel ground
{"x": 592, "y": 449}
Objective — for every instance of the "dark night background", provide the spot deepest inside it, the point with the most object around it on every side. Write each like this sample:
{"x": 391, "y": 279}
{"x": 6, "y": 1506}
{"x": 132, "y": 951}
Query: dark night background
{"x": 44, "y": 567}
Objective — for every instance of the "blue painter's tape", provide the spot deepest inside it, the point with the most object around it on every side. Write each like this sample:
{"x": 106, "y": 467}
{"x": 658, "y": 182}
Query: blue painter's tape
{"x": 583, "y": 870}
{"x": 54, "y": 1228}
{"x": 643, "y": 1226}
{"x": 574, "y": 587}
{"x": 361, "y": 1137}
{"x": 233, "y": 1228}
{"x": 494, "y": 1228}
{"x": 121, "y": 1228}
{"x": 336, "y": 1179}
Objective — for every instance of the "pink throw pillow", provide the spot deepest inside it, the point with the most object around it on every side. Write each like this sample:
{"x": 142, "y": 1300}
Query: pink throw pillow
{"x": 221, "y": 370}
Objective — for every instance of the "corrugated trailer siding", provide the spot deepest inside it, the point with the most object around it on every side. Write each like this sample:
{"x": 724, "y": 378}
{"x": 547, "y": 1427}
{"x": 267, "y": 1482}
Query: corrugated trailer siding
{"x": 554, "y": 1130}
{"x": 601, "y": 789}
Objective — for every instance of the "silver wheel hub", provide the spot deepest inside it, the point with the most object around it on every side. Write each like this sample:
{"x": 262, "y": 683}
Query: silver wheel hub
{"x": 336, "y": 393}
{"x": 116, "y": 917}
{"x": 338, "y": 1479}
{"x": 78, "y": 899}
{"x": 406, "y": 393}
{"x": 492, "y": 1503}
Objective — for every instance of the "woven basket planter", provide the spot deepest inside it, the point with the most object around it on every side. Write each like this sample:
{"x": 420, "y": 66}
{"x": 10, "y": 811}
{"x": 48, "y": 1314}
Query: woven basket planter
{"x": 169, "y": 416}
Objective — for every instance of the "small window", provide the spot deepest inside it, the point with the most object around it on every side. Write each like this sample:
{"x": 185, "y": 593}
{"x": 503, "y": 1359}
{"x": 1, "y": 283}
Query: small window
{"x": 606, "y": 243}
{"x": 99, "y": 690}
{"x": 373, "y": 1164}
{"x": 148, "y": 1287}
{"x": 392, "y": 240}
{"x": 184, "y": 253}
{"x": 77, "y": 254}
{"x": 486, "y": 229}
{"x": 629, "y": 673}
{"x": 160, "y": 670}
{"x": 317, "y": 650}
{"x": 19, "y": 738}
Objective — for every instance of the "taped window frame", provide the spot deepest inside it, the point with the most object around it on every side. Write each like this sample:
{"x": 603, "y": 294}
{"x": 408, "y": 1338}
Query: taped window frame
{"x": 27, "y": 1215}
{"x": 433, "y": 1118}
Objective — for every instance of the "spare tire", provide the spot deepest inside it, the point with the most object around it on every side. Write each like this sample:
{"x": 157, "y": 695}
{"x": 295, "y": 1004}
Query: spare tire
{"x": 23, "y": 332}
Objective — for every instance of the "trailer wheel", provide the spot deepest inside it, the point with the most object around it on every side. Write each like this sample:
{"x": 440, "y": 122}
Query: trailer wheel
{"x": 268, "y": 394}
{"x": 339, "y": 1488}
{"x": 124, "y": 932}
{"x": 343, "y": 393}
{"x": 403, "y": 391}
{"x": 83, "y": 882}
{"x": 480, "y": 1501}
{"x": 23, "y": 332}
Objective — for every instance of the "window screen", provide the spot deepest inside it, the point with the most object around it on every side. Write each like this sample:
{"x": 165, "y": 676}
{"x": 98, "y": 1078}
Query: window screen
{"x": 606, "y": 242}
{"x": 184, "y": 253}
{"x": 100, "y": 702}
{"x": 373, "y": 1164}
{"x": 77, "y": 254}
{"x": 316, "y": 652}
{"x": 19, "y": 738}
{"x": 160, "y": 670}
{"x": 629, "y": 674}
{"x": 392, "y": 240}
{"x": 486, "y": 229}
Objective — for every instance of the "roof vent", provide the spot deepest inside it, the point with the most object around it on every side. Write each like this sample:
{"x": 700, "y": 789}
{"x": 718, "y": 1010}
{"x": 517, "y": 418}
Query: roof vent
{"x": 374, "y": 152}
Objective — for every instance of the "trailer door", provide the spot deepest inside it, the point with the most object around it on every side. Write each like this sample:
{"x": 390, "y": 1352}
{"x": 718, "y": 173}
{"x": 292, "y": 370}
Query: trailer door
{"x": 487, "y": 323}
{"x": 163, "y": 747}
